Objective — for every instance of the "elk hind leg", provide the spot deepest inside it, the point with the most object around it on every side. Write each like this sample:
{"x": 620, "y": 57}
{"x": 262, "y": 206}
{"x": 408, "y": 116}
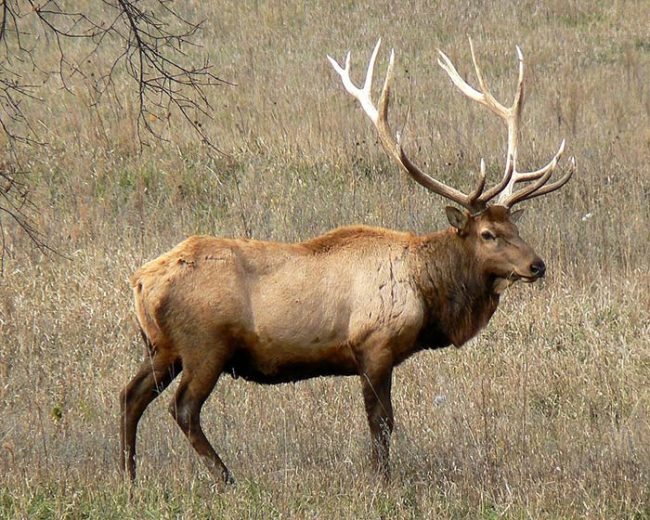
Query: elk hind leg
{"x": 155, "y": 374}
{"x": 198, "y": 380}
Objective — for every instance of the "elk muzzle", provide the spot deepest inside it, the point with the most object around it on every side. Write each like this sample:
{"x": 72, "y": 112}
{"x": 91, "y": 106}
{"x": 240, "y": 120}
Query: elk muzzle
{"x": 538, "y": 268}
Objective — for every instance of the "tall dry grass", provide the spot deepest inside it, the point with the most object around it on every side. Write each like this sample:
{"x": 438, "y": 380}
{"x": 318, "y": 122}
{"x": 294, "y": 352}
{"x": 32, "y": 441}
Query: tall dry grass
{"x": 545, "y": 415}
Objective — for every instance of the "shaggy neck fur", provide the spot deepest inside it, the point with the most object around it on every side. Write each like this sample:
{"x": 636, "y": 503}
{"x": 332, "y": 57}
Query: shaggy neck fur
{"x": 459, "y": 296}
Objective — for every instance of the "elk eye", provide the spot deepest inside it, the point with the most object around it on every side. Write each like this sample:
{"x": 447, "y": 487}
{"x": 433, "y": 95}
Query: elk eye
{"x": 488, "y": 235}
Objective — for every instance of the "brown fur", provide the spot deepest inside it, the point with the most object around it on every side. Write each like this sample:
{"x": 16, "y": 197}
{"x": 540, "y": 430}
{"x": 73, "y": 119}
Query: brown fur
{"x": 355, "y": 301}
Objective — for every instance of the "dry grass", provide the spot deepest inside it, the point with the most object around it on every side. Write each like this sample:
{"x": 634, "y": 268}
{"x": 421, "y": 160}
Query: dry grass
{"x": 545, "y": 415}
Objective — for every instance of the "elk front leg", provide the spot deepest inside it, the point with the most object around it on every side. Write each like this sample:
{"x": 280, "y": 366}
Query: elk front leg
{"x": 376, "y": 396}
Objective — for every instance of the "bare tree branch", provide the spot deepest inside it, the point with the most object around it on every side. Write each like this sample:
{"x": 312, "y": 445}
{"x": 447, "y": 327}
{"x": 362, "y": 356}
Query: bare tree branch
{"x": 16, "y": 205}
{"x": 155, "y": 50}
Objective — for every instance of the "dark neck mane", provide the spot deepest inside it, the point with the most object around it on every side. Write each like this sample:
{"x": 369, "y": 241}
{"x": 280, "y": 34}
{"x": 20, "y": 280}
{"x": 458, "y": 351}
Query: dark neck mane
{"x": 460, "y": 299}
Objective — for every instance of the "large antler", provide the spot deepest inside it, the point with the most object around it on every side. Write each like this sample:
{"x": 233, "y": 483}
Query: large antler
{"x": 512, "y": 116}
{"x": 474, "y": 202}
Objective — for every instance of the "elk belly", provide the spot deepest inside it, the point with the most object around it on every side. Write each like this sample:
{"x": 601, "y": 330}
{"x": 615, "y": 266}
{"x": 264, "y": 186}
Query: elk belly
{"x": 272, "y": 363}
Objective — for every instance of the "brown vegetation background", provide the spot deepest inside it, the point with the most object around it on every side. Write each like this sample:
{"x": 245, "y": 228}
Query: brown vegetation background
{"x": 545, "y": 415}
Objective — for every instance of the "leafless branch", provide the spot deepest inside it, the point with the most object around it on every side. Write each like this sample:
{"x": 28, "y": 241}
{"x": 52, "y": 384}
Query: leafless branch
{"x": 155, "y": 51}
{"x": 16, "y": 205}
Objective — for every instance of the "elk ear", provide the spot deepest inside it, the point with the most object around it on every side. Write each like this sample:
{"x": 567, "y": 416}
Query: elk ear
{"x": 456, "y": 217}
{"x": 516, "y": 215}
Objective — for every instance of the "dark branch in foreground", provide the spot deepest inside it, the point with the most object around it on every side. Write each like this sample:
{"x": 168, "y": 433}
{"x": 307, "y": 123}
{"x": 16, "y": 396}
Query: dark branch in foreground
{"x": 156, "y": 52}
{"x": 16, "y": 206}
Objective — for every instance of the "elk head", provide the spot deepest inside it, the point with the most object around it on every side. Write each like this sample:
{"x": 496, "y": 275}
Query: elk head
{"x": 487, "y": 228}
{"x": 493, "y": 240}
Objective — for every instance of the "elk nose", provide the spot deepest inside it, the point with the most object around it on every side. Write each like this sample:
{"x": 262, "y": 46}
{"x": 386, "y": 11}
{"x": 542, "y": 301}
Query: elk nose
{"x": 538, "y": 268}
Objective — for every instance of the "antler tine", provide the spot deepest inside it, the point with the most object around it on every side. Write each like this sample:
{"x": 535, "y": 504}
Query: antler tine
{"x": 390, "y": 143}
{"x": 360, "y": 94}
{"x": 558, "y": 183}
{"x": 384, "y": 97}
{"x": 505, "y": 181}
{"x": 540, "y": 187}
{"x": 475, "y": 195}
{"x": 487, "y": 98}
{"x": 367, "y": 86}
{"x": 534, "y": 175}
{"x": 484, "y": 96}
{"x": 519, "y": 94}
{"x": 462, "y": 85}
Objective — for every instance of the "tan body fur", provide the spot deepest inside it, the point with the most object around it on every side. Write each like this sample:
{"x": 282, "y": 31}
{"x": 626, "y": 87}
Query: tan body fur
{"x": 231, "y": 292}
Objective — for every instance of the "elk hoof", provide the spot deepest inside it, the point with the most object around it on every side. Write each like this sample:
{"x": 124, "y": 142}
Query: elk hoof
{"x": 228, "y": 478}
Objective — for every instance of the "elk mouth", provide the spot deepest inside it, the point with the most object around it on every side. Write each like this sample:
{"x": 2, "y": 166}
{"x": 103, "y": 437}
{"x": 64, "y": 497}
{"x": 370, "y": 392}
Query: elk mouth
{"x": 501, "y": 283}
{"x": 515, "y": 277}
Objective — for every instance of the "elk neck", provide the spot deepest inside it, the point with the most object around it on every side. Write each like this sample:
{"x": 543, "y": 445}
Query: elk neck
{"x": 459, "y": 296}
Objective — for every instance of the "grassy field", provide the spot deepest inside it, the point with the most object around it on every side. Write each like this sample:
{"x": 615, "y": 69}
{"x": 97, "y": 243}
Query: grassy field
{"x": 545, "y": 415}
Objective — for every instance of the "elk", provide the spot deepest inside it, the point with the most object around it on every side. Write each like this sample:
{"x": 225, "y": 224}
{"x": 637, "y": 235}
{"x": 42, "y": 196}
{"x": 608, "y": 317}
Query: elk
{"x": 355, "y": 301}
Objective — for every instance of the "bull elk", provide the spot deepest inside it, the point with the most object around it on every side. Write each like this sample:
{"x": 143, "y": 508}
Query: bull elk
{"x": 355, "y": 301}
